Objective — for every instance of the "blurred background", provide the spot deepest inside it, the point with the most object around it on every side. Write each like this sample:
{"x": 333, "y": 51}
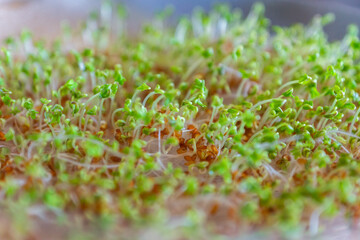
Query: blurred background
{"x": 43, "y": 17}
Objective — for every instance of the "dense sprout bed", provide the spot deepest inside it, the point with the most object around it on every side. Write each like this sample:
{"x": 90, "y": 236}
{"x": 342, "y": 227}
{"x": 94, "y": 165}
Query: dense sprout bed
{"x": 221, "y": 124}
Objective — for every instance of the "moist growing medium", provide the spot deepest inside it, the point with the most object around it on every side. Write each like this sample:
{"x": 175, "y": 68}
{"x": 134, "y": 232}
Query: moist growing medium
{"x": 220, "y": 125}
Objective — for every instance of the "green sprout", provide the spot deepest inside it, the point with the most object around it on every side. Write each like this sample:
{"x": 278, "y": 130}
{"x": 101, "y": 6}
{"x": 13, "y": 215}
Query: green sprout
{"x": 220, "y": 116}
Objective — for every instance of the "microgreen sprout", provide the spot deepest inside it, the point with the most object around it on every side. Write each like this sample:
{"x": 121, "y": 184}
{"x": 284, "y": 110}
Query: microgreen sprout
{"x": 221, "y": 117}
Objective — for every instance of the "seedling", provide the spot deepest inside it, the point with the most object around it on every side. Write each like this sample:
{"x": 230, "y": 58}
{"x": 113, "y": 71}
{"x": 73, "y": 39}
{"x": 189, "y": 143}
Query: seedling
{"x": 220, "y": 116}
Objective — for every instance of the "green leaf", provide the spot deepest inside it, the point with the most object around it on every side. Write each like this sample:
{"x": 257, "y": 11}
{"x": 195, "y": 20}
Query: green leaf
{"x": 222, "y": 168}
{"x": 288, "y": 93}
{"x": 71, "y": 85}
{"x": 191, "y": 185}
{"x": 172, "y": 141}
{"x": 207, "y": 53}
{"x": 92, "y": 111}
{"x": 10, "y": 134}
{"x": 93, "y": 149}
{"x": 52, "y": 198}
{"x": 216, "y": 101}
{"x": 249, "y": 117}
{"x": 321, "y": 158}
{"x": 177, "y": 123}
{"x": 143, "y": 87}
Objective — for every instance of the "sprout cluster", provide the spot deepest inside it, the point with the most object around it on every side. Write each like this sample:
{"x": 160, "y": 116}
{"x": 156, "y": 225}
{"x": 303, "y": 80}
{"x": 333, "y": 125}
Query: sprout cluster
{"x": 214, "y": 125}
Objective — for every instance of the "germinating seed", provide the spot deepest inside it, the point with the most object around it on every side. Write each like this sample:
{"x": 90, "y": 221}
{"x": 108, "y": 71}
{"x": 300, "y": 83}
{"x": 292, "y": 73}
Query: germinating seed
{"x": 211, "y": 124}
